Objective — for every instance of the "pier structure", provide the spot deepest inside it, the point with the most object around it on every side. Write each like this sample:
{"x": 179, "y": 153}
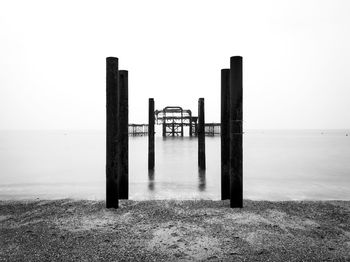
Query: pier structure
{"x": 212, "y": 129}
{"x": 174, "y": 119}
{"x": 138, "y": 129}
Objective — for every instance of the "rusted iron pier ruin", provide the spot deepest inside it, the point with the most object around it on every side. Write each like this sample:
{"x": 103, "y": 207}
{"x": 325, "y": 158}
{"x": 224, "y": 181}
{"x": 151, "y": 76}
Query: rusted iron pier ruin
{"x": 173, "y": 120}
{"x": 210, "y": 129}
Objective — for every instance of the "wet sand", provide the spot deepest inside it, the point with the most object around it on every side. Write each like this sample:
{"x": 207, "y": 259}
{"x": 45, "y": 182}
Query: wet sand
{"x": 71, "y": 230}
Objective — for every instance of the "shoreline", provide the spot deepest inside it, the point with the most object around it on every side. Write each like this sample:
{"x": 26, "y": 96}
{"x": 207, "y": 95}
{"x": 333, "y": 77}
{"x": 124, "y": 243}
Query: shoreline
{"x": 174, "y": 230}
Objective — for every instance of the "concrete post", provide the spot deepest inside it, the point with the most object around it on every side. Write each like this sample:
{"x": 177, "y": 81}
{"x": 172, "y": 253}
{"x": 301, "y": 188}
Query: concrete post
{"x": 236, "y": 146}
{"x": 112, "y": 83}
{"x": 201, "y": 134}
{"x": 225, "y": 133}
{"x": 151, "y": 134}
{"x": 123, "y": 134}
{"x": 190, "y": 127}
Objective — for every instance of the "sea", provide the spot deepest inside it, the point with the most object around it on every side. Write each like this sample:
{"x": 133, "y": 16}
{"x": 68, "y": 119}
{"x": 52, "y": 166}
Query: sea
{"x": 278, "y": 165}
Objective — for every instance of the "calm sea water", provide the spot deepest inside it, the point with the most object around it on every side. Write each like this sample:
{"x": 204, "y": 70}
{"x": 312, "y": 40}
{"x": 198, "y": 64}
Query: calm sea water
{"x": 278, "y": 165}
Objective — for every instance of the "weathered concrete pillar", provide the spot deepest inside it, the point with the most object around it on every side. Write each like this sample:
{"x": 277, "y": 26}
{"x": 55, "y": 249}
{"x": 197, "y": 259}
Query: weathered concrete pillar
{"x": 112, "y": 84}
{"x": 225, "y": 133}
{"x": 123, "y": 134}
{"x": 201, "y": 134}
{"x": 151, "y": 134}
{"x": 236, "y": 130}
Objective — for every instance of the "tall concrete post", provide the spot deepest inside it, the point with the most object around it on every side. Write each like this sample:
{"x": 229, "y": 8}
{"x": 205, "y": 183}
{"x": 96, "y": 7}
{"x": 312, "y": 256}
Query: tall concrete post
{"x": 123, "y": 134}
{"x": 112, "y": 84}
{"x": 225, "y": 133}
{"x": 151, "y": 134}
{"x": 201, "y": 134}
{"x": 236, "y": 131}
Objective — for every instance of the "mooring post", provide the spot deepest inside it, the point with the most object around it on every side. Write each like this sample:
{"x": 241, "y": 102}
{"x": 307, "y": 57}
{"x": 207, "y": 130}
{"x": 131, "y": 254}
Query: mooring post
{"x": 111, "y": 132}
{"x": 201, "y": 134}
{"x": 123, "y": 134}
{"x": 150, "y": 134}
{"x": 236, "y": 146}
{"x": 225, "y": 133}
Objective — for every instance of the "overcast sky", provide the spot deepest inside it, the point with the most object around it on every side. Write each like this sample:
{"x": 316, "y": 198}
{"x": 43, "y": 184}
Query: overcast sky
{"x": 296, "y": 57}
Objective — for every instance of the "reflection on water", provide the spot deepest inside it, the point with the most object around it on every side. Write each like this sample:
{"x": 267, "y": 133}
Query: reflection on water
{"x": 201, "y": 180}
{"x": 151, "y": 180}
{"x": 277, "y": 165}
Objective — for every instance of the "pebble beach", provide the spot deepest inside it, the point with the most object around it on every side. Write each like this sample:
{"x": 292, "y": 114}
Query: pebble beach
{"x": 165, "y": 230}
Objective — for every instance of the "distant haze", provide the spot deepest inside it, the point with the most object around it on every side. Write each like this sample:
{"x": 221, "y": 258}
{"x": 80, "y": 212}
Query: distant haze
{"x": 296, "y": 57}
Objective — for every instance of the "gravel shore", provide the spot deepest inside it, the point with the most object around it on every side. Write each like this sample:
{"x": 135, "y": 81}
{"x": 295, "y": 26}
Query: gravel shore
{"x": 71, "y": 230}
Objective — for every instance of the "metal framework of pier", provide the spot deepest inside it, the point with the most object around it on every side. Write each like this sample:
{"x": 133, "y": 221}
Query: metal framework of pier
{"x": 171, "y": 128}
{"x": 138, "y": 129}
{"x": 174, "y": 118}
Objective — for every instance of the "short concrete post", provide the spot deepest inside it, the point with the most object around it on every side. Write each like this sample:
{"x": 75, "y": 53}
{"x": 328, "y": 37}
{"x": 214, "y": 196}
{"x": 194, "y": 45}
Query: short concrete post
{"x": 201, "y": 134}
{"x": 151, "y": 134}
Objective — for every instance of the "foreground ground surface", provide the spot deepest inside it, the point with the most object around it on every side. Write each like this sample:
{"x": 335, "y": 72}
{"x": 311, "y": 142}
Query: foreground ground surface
{"x": 68, "y": 230}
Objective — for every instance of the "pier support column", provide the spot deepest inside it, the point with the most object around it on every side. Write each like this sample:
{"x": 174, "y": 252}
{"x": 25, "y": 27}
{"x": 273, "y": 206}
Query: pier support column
{"x": 236, "y": 146}
{"x": 151, "y": 134}
{"x": 164, "y": 128}
{"x": 195, "y": 128}
{"x": 123, "y": 134}
{"x": 225, "y": 133}
{"x": 112, "y": 85}
{"x": 201, "y": 134}
{"x": 190, "y": 127}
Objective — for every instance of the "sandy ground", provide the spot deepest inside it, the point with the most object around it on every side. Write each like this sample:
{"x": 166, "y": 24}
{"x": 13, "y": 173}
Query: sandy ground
{"x": 69, "y": 230}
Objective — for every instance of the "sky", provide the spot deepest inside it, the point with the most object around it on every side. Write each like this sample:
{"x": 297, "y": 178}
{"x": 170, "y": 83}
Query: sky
{"x": 296, "y": 60}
